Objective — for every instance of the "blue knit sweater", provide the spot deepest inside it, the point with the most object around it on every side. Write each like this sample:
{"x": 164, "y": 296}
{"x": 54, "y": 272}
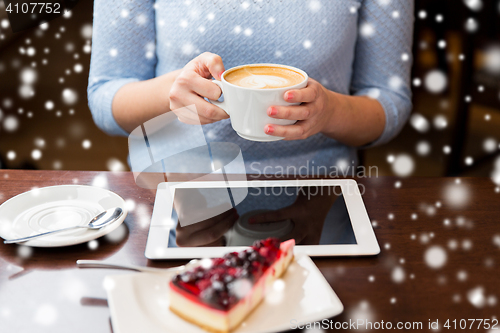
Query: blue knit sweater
{"x": 358, "y": 47}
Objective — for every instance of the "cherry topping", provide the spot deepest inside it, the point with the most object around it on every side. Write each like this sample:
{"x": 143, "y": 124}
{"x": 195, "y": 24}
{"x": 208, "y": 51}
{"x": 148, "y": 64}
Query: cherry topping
{"x": 213, "y": 284}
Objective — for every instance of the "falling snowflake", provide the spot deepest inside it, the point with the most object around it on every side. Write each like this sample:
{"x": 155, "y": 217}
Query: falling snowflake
{"x": 86, "y": 144}
{"x": 398, "y": 274}
{"x": 373, "y": 93}
{"x": 435, "y": 257}
{"x": 367, "y": 30}
{"x": 466, "y": 244}
{"x": 435, "y": 81}
{"x": 39, "y": 142}
{"x": 403, "y": 165}
{"x": 440, "y": 122}
{"x": 36, "y": 154}
{"x": 28, "y": 75}
{"x": 419, "y": 123}
{"x": 475, "y": 5}
{"x": 307, "y": 44}
{"x": 314, "y": 6}
{"x": 93, "y": 245}
{"x": 424, "y": 238}
{"x": 471, "y": 25}
{"x": 395, "y": 82}
{"x": 24, "y": 252}
{"x": 452, "y": 244}
{"x": 362, "y": 311}
{"x": 30, "y": 51}
{"x": 456, "y": 195}
{"x": 492, "y": 59}
{"x": 10, "y": 123}
{"x": 69, "y": 96}
{"x": 78, "y": 68}
{"x": 100, "y": 181}
{"x": 423, "y": 148}
{"x": 117, "y": 235}
{"x": 141, "y": 19}
{"x": 188, "y": 48}
{"x": 11, "y": 155}
{"x": 114, "y": 164}
{"x": 462, "y": 275}
{"x": 476, "y": 297}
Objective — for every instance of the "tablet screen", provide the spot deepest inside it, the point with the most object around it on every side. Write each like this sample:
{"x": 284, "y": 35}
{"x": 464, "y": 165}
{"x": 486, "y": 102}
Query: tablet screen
{"x": 311, "y": 215}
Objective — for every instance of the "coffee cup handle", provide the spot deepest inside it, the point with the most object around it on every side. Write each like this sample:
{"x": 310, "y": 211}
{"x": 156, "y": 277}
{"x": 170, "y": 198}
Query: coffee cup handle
{"x": 222, "y": 105}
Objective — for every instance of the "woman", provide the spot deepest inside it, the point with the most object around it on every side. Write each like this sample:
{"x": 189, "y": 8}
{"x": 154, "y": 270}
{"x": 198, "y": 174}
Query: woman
{"x": 151, "y": 57}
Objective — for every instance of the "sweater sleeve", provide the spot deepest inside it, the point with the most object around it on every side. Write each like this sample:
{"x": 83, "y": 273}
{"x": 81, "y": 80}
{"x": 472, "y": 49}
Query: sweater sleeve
{"x": 123, "y": 51}
{"x": 382, "y": 65}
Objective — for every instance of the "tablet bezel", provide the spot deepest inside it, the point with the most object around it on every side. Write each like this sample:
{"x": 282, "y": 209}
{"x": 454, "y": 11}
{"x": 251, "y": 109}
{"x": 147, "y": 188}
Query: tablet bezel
{"x": 161, "y": 221}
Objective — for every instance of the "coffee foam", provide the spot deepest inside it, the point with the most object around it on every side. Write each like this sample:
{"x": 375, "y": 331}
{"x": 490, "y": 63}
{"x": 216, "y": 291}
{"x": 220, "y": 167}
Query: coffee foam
{"x": 264, "y": 77}
{"x": 263, "y": 81}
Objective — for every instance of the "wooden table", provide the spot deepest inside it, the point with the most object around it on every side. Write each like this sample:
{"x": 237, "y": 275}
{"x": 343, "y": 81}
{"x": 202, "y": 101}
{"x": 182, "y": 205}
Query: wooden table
{"x": 43, "y": 291}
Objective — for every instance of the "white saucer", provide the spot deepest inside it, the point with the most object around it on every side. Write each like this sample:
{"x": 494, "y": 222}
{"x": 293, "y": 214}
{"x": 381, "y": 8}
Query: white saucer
{"x": 56, "y": 207}
{"x": 140, "y": 302}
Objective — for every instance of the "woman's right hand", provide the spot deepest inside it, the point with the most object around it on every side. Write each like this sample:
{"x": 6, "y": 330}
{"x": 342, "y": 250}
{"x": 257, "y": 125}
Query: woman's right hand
{"x": 192, "y": 84}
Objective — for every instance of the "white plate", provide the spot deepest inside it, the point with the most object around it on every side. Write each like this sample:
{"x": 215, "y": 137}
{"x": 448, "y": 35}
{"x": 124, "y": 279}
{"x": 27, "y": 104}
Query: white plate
{"x": 139, "y": 302}
{"x": 56, "y": 207}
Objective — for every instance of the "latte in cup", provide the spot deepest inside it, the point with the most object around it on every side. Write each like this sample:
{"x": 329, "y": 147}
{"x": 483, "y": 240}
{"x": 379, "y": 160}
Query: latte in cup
{"x": 264, "y": 77}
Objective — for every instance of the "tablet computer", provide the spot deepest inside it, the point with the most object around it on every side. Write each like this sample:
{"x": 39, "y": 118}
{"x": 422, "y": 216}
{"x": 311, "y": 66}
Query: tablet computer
{"x": 210, "y": 218}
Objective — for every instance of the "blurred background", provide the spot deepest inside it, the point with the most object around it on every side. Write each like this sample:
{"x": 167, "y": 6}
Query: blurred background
{"x": 454, "y": 129}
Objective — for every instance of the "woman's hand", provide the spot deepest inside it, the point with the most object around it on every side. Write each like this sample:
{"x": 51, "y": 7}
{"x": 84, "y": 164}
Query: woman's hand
{"x": 313, "y": 114}
{"x": 192, "y": 84}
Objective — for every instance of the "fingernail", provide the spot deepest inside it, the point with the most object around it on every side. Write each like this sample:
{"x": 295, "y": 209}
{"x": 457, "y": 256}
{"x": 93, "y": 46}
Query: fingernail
{"x": 289, "y": 95}
{"x": 272, "y": 111}
{"x": 269, "y": 129}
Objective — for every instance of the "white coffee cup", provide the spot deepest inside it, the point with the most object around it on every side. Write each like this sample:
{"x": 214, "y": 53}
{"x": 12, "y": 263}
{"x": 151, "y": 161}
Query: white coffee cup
{"x": 247, "y": 107}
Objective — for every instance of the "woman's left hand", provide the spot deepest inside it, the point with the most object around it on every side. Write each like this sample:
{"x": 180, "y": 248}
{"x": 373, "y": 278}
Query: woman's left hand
{"x": 313, "y": 114}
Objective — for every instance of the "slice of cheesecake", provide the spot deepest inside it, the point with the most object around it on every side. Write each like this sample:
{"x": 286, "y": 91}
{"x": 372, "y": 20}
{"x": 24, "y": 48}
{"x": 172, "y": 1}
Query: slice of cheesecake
{"x": 218, "y": 296}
